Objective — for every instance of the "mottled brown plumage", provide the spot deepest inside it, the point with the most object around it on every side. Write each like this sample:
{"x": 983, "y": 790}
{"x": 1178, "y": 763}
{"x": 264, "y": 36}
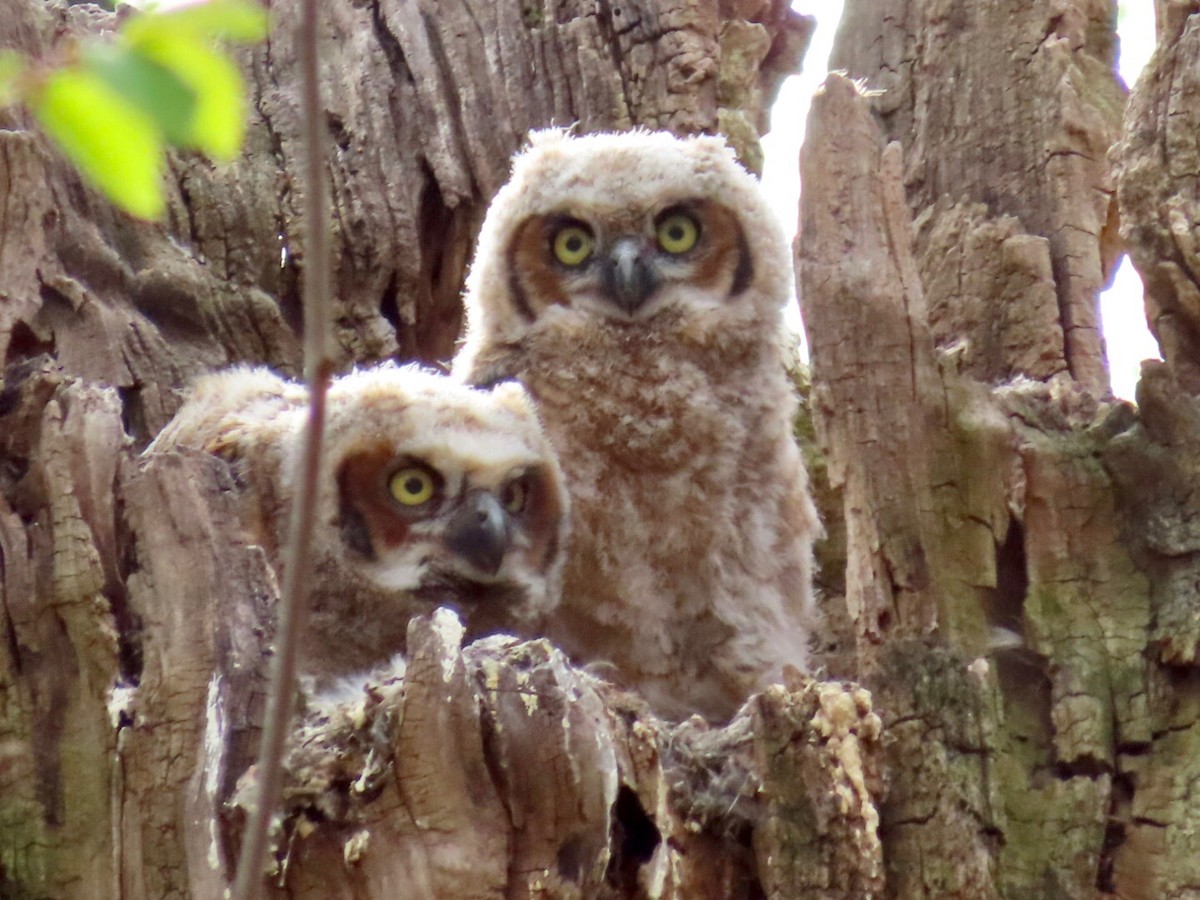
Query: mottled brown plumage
{"x": 430, "y": 494}
{"x": 634, "y": 284}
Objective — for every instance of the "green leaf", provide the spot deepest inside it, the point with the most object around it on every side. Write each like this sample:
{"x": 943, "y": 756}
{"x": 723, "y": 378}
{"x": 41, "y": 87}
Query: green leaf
{"x": 11, "y": 66}
{"x": 218, "y": 120}
{"x": 181, "y": 41}
{"x": 161, "y": 79}
{"x": 230, "y": 20}
{"x": 114, "y": 144}
{"x": 149, "y": 85}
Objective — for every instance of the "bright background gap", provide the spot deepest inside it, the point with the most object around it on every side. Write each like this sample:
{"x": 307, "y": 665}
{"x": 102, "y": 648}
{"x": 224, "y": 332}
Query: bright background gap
{"x": 1122, "y": 308}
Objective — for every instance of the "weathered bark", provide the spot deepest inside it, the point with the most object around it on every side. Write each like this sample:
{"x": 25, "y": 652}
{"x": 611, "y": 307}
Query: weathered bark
{"x": 1006, "y": 112}
{"x": 501, "y": 771}
{"x": 1158, "y": 162}
{"x": 138, "y": 621}
{"x": 1020, "y": 553}
{"x": 1156, "y": 465}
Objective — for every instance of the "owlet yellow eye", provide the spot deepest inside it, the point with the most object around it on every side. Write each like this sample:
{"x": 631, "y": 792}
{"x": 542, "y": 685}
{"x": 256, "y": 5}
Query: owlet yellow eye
{"x": 411, "y": 486}
{"x": 678, "y": 233}
{"x": 514, "y": 496}
{"x": 572, "y": 246}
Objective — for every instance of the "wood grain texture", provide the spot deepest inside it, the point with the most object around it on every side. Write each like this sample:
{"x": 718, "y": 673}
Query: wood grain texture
{"x": 1007, "y": 110}
{"x": 1154, "y": 463}
{"x": 1038, "y": 688}
{"x": 138, "y": 617}
{"x": 508, "y": 773}
{"x": 1157, "y": 164}
{"x": 1000, "y": 614}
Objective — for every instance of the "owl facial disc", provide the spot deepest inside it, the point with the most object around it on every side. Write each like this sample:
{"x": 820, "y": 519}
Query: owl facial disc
{"x": 430, "y": 493}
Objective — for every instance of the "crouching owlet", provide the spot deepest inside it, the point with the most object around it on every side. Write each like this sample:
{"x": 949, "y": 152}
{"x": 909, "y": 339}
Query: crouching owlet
{"x": 430, "y": 494}
{"x": 635, "y": 283}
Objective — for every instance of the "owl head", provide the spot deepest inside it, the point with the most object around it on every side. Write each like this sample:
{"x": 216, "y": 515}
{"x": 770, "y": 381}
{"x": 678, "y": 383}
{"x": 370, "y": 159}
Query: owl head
{"x": 430, "y": 492}
{"x": 629, "y": 229}
{"x": 449, "y": 494}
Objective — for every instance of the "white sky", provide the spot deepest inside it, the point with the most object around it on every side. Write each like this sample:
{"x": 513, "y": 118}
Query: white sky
{"x": 1122, "y": 310}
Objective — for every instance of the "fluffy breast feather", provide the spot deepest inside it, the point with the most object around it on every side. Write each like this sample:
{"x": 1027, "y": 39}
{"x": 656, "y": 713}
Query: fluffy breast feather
{"x": 690, "y": 504}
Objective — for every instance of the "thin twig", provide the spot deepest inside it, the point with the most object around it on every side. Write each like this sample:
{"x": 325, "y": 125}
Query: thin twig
{"x": 293, "y": 605}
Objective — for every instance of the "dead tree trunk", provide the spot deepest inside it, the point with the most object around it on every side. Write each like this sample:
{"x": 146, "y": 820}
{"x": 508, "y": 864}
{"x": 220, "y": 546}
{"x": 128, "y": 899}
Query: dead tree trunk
{"x": 1018, "y": 562}
{"x": 1020, "y": 559}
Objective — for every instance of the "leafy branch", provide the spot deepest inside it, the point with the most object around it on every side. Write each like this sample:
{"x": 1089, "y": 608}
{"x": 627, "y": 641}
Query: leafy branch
{"x": 298, "y": 562}
{"x": 114, "y": 104}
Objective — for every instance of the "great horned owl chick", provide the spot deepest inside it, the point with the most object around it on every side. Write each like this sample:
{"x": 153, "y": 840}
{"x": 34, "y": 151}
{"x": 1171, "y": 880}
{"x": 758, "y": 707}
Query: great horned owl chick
{"x": 430, "y": 494}
{"x": 635, "y": 284}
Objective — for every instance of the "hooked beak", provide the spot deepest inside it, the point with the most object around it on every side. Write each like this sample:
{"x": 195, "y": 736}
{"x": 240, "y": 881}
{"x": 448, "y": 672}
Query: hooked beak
{"x": 478, "y": 532}
{"x": 628, "y": 277}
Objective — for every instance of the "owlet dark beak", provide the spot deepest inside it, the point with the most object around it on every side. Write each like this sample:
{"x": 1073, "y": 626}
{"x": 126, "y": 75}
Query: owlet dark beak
{"x": 478, "y": 532}
{"x": 629, "y": 278}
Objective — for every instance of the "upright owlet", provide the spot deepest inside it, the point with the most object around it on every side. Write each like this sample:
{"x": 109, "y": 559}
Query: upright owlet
{"x": 635, "y": 284}
{"x": 430, "y": 494}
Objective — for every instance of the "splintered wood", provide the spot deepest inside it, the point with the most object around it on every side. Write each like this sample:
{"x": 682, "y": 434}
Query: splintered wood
{"x": 1021, "y": 553}
{"x": 499, "y": 770}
